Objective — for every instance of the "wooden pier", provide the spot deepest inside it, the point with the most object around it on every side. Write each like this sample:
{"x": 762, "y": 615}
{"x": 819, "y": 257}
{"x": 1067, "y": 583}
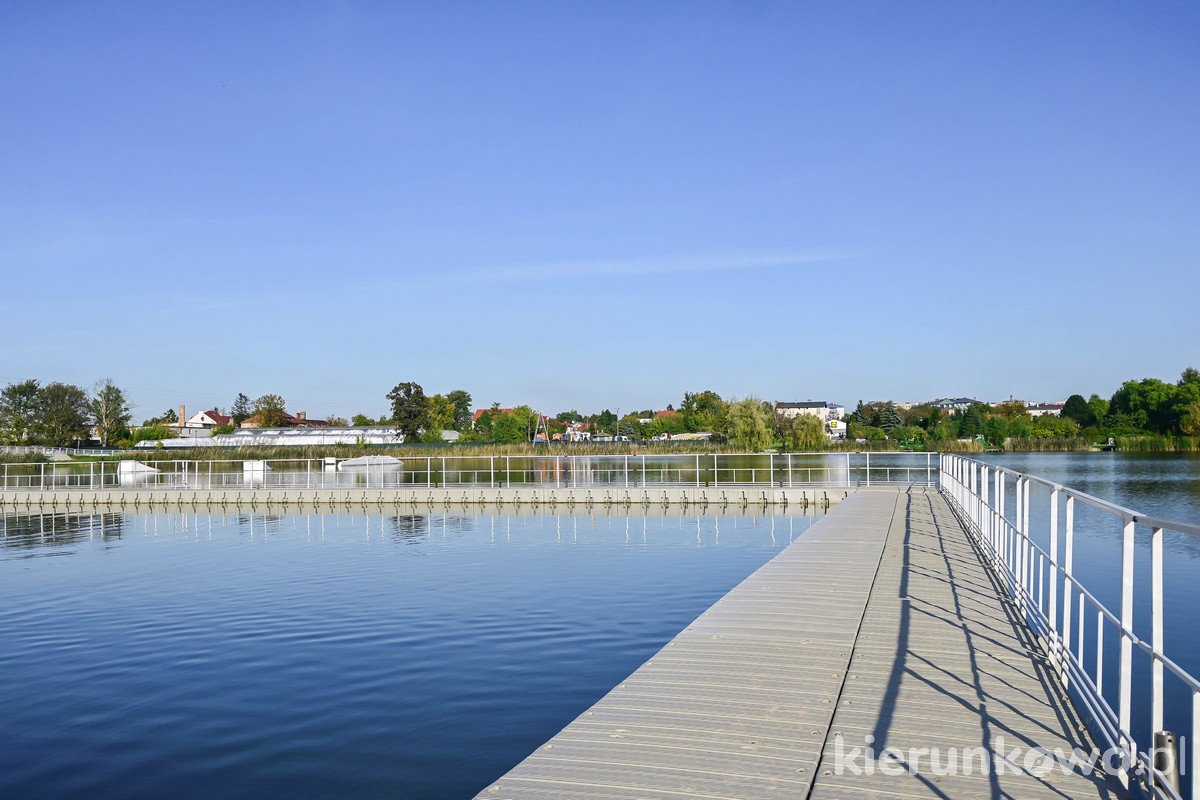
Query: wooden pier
{"x": 846, "y": 667}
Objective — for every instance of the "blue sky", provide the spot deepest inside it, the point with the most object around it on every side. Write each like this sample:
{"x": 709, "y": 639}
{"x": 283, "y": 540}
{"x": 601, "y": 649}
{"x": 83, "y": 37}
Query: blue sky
{"x": 598, "y": 205}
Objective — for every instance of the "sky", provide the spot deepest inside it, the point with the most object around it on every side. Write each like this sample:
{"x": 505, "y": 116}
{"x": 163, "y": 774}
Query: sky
{"x": 601, "y": 205}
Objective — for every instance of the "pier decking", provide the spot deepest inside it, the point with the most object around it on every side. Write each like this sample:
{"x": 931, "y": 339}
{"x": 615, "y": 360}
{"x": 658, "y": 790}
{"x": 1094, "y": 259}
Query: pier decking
{"x": 879, "y": 628}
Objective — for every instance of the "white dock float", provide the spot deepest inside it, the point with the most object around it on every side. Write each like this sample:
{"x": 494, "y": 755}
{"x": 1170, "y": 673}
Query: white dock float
{"x": 880, "y": 621}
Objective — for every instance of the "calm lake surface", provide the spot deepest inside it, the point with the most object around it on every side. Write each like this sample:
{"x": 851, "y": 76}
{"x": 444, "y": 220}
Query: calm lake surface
{"x": 400, "y": 656}
{"x": 331, "y": 656}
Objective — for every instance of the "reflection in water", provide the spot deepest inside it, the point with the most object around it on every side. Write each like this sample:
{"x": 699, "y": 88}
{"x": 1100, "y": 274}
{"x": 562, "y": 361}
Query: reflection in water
{"x": 23, "y": 531}
{"x": 636, "y": 524}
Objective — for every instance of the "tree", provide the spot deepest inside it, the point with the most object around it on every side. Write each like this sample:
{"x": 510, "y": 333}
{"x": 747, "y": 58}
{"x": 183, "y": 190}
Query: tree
{"x": 869, "y": 414}
{"x": 440, "y": 413}
{"x": 270, "y": 411}
{"x": 1189, "y": 422}
{"x": 995, "y": 430}
{"x": 168, "y": 417}
{"x": 516, "y": 426}
{"x": 607, "y": 420}
{"x": 19, "y": 412}
{"x": 1012, "y": 410}
{"x": 1047, "y": 426}
{"x": 409, "y": 409}
{"x": 336, "y": 422}
{"x": 749, "y": 425}
{"x": 807, "y": 434}
{"x": 462, "y": 408}
{"x": 241, "y": 409}
{"x": 65, "y": 415}
{"x": 1077, "y": 408}
{"x": 971, "y": 424}
{"x": 890, "y": 419}
{"x": 151, "y": 433}
{"x": 703, "y": 411}
{"x": 361, "y": 420}
{"x": 1149, "y": 404}
{"x": 111, "y": 412}
{"x": 483, "y": 425}
{"x": 1099, "y": 408}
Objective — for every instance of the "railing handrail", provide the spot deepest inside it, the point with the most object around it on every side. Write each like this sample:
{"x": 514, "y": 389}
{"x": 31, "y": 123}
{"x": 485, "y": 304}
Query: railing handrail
{"x": 978, "y": 491}
{"x": 542, "y": 469}
{"x": 1092, "y": 500}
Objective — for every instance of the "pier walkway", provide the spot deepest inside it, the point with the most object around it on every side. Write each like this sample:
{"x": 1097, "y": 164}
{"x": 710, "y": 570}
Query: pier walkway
{"x": 878, "y": 628}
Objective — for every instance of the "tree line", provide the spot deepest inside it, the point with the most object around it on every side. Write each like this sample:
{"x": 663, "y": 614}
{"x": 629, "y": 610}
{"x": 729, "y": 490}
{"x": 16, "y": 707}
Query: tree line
{"x": 1138, "y": 408}
{"x": 61, "y": 414}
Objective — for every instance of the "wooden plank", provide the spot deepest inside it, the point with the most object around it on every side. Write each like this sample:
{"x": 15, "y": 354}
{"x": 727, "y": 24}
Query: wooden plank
{"x": 739, "y": 703}
{"x": 880, "y": 622}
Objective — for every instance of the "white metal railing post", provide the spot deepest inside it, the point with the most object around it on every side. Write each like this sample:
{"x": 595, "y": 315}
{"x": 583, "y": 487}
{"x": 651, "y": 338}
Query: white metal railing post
{"x": 771, "y": 468}
{"x": 1068, "y": 587}
{"x": 626, "y": 472}
{"x": 491, "y": 472}
{"x": 929, "y": 469}
{"x": 697, "y": 469}
{"x": 716, "y": 472}
{"x": 1054, "y": 625}
{"x": 1019, "y": 540}
{"x": 1194, "y": 764}
{"x": 1126, "y": 695}
{"x": 1156, "y": 621}
{"x": 985, "y": 512}
{"x": 975, "y": 507}
{"x": 868, "y": 468}
{"x": 1027, "y": 537}
{"x": 1001, "y": 524}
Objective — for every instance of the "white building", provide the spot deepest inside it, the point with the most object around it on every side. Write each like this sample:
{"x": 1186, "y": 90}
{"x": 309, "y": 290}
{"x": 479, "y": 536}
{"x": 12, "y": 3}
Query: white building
{"x": 820, "y": 409}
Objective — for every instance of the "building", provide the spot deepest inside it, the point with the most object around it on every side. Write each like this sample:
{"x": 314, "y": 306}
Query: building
{"x": 298, "y": 420}
{"x": 1044, "y": 409}
{"x": 820, "y": 409}
{"x": 208, "y": 420}
{"x": 479, "y": 412}
{"x": 952, "y": 403}
{"x": 577, "y": 432}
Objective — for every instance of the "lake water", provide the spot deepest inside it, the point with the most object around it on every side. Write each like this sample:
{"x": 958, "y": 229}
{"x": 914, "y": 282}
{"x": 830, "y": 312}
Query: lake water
{"x": 410, "y": 656}
{"x": 331, "y": 656}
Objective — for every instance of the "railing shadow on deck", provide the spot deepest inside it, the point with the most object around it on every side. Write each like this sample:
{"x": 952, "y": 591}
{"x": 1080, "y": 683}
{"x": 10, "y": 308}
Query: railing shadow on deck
{"x": 970, "y": 693}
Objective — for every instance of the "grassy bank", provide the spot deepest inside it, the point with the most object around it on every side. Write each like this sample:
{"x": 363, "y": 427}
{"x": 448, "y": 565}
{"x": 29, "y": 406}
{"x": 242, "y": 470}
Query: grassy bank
{"x": 1029, "y": 444}
{"x": 410, "y": 451}
{"x": 1150, "y": 443}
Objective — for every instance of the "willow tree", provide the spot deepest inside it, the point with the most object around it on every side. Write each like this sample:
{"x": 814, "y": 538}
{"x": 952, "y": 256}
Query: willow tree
{"x": 748, "y": 425}
{"x": 807, "y": 434}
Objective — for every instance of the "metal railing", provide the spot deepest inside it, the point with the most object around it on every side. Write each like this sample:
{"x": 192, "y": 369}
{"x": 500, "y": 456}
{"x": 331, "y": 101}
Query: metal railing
{"x": 1070, "y": 621}
{"x": 779, "y": 470}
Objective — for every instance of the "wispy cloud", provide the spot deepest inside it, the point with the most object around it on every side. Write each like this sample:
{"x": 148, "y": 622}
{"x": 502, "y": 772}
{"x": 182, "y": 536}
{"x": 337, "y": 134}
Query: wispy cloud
{"x": 655, "y": 265}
